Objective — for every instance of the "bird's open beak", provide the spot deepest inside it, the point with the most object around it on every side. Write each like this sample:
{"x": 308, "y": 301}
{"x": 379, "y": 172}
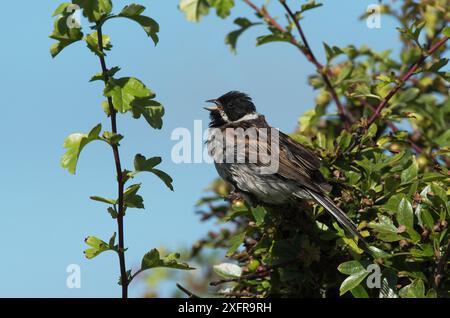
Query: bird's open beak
{"x": 212, "y": 108}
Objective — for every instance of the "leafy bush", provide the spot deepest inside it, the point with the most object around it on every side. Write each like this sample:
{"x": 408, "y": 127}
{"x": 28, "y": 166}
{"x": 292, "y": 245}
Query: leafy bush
{"x": 386, "y": 151}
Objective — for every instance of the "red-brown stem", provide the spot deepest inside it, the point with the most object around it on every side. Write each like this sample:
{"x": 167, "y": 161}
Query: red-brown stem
{"x": 120, "y": 183}
{"x": 406, "y": 77}
{"x": 307, "y": 51}
{"x": 394, "y": 128}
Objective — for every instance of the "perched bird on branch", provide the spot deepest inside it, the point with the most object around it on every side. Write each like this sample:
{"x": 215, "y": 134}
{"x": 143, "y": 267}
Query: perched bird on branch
{"x": 241, "y": 141}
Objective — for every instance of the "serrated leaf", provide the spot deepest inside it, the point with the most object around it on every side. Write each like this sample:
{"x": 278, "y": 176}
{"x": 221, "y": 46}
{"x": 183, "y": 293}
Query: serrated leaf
{"x": 232, "y": 37}
{"x": 64, "y": 35}
{"x": 150, "y": 26}
{"x": 164, "y": 177}
{"x": 100, "y": 76}
{"x": 74, "y": 144}
{"x": 124, "y": 91}
{"x": 97, "y": 247}
{"x": 310, "y": 5}
{"x": 277, "y": 37}
{"x": 223, "y": 7}
{"x": 131, "y": 199}
{"x": 150, "y": 109}
{"x": 152, "y": 259}
{"x": 94, "y": 10}
{"x": 61, "y": 9}
{"x": 143, "y": 164}
{"x": 93, "y": 45}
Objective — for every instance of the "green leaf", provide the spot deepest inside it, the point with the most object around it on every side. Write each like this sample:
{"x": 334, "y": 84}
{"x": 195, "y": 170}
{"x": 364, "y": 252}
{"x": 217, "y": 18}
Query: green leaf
{"x": 61, "y": 9}
{"x": 124, "y": 91}
{"x": 405, "y": 214}
{"x": 350, "y": 267}
{"x": 446, "y": 31}
{"x": 232, "y": 37}
{"x": 152, "y": 259}
{"x": 112, "y": 138}
{"x": 410, "y": 173}
{"x": 439, "y": 192}
{"x": 276, "y": 37}
{"x": 93, "y": 45}
{"x": 97, "y": 247}
{"x": 194, "y": 9}
{"x": 345, "y": 73}
{"x": 357, "y": 273}
{"x": 414, "y": 290}
{"x": 94, "y": 10}
{"x": 112, "y": 241}
{"x": 100, "y": 76}
{"x": 74, "y": 144}
{"x": 223, "y": 7}
{"x": 63, "y": 34}
{"x": 359, "y": 292}
{"x": 131, "y": 199}
{"x": 143, "y": 164}
{"x": 150, "y": 26}
{"x": 438, "y": 65}
{"x": 164, "y": 177}
{"x": 235, "y": 242}
{"x": 150, "y": 109}
{"x": 310, "y": 5}
{"x": 104, "y": 200}
{"x": 259, "y": 214}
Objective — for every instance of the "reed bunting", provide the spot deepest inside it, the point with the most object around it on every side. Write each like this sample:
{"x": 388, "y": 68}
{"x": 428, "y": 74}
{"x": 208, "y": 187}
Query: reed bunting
{"x": 297, "y": 174}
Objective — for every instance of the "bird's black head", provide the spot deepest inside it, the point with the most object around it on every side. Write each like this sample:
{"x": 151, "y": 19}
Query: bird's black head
{"x": 234, "y": 105}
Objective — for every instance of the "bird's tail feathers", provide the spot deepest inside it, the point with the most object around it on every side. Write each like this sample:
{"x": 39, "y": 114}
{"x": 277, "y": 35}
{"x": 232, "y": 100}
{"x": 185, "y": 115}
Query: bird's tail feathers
{"x": 337, "y": 213}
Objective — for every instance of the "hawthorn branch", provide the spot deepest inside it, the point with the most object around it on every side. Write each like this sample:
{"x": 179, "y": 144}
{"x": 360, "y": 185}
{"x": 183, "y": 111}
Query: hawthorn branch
{"x": 307, "y": 52}
{"x": 261, "y": 274}
{"x": 120, "y": 183}
{"x": 405, "y": 77}
{"x": 187, "y": 292}
{"x": 393, "y": 127}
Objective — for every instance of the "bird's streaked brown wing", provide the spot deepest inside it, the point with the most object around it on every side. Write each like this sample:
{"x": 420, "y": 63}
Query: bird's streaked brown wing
{"x": 296, "y": 162}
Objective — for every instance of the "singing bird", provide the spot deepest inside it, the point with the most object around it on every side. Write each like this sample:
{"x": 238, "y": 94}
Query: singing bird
{"x": 297, "y": 176}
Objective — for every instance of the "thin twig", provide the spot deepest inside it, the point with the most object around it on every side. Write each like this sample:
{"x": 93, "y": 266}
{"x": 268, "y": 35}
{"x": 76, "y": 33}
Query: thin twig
{"x": 306, "y": 50}
{"x": 439, "y": 275}
{"x": 120, "y": 184}
{"x": 406, "y": 77}
{"x": 393, "y": 127}
{"x": 243, "y": 278}
{"x": 187, "y": 292}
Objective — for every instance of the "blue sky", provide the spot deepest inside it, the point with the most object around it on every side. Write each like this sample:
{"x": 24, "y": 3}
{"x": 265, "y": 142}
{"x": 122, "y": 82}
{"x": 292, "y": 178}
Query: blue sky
{"x": 46, "y": 213}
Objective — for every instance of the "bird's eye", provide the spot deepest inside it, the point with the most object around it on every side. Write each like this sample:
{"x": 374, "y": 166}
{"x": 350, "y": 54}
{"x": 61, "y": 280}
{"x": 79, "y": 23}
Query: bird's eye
{"x": 230, "y": 105}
